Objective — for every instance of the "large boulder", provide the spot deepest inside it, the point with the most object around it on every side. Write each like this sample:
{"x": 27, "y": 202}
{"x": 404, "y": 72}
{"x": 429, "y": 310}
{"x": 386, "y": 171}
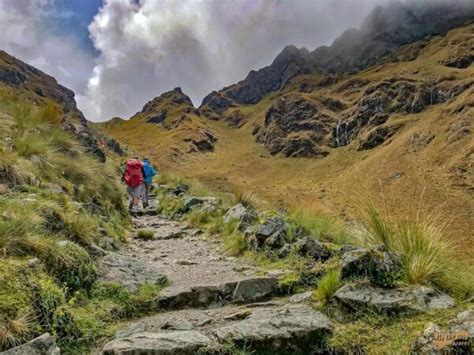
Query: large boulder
{"x": 290, "y": 329}
{"x": 457, "y": 339}
{"x": 359, "y": 297}
{"x": 163, "y": 343}
{"x": 43, "y": 345}
{"x": 380, "y": 267}
{"x": 128, "y": 271}
{"x": 310, "y": 247}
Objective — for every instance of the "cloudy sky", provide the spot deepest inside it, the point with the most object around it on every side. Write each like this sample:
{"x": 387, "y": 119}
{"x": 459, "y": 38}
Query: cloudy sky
{"x": 118, "y": 54}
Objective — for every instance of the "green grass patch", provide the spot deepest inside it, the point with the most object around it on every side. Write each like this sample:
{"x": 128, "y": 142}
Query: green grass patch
{"x": 327, "y": 286}
{"x": 145, "y": 234}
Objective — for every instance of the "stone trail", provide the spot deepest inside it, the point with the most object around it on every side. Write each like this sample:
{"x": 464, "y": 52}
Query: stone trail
{"x": 212, "y": 300}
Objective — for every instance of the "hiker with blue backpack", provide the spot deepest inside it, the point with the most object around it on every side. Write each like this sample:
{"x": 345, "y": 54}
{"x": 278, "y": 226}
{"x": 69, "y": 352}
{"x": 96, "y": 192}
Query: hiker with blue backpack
{"x": 148, "y": 174}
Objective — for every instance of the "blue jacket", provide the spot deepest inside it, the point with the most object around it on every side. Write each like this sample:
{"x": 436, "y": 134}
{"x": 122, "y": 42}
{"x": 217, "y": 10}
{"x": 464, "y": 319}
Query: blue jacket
{"x": 148, "y": 172}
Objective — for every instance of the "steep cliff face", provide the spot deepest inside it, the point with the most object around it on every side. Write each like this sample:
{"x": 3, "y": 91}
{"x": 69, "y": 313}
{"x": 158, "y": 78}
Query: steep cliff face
{"x": 382, "y": 32}
{"x": 38, "y": 86}
{"x": 32, "y": 84}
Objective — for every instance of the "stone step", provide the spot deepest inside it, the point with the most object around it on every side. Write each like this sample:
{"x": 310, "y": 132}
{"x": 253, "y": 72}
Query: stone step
{"x": 246, "y": 290}
{"x": 278, "y": 329}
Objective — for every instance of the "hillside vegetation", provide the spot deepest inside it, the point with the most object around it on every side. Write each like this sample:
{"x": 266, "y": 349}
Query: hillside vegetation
{"x": 397, "y": 134}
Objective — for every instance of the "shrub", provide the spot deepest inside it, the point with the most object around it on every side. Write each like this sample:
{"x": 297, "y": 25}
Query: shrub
{"x": 145, "y": 234}
{"x": 327, "y": 286}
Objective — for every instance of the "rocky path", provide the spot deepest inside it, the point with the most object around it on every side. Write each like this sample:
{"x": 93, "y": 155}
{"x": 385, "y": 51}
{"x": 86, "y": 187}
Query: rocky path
{"x": 213, "y": 302}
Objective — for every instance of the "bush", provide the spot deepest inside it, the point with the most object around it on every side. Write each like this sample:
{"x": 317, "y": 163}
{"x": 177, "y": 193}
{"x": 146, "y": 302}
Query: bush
{"x": 327, "y": 286}
{"x": 145, "y": 234}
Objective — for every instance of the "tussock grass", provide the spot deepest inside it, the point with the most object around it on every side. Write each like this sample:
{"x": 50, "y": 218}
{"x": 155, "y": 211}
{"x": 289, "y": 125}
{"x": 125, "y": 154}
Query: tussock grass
{"x": 320, "y": 226}
{"x": 246, "y": 198}
{"x": 235, "y": 244}
{"x": 428, "y": 255}
{"x": 145, "y": 234}
{"x": 327, "y": 286}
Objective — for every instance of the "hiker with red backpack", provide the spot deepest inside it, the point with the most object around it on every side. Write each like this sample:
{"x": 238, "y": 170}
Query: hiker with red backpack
{"x": 133, "y": 178}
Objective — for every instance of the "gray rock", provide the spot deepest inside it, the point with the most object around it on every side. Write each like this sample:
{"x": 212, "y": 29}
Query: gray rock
{"x": 43, "y": 345}
{"x": 243, "y": 291}
{"x": 246, "y": 217}
{"x": 393, "y": 301}
{"x": 457, "y": 339}
{"x": 254, "y": 289}
{"x": 129, "y": 271}
{"x": 235, "y": 213}
{"x": 147, "y": 343}
{"x": 275, "y": 241}
{"x": 294, "y": 329}
{"x": 272, "y": 226}
{"x": 302, "y": 297}
{"x": 192, "y": 201}
{"x": 382, "y": 268}
{"x": 54, "y": 188}
{"x": 178, "y": 324}
{"x": 309, "y": 247}
{"x": 284, "y": 251}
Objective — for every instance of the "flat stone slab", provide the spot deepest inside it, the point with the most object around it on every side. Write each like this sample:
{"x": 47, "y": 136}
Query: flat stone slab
{"x": 43, "y": 345}
{"x": 241, "y": 291}
{"x": 396, "y": 300}
{"x": 278, "y": 327}
{"x": 128, "y": 271}
{"x": 146, "y": 343}
{"x": 292, "y": 328}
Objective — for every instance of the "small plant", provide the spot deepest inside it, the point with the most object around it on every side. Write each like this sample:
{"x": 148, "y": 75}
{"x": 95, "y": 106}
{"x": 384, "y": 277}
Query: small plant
{"x": 327, "y": 286}
{"x": 235, "y": 244}
{"x": 145, "y": 234}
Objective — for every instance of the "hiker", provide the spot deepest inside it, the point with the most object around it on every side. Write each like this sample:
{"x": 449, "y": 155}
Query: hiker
{"x": 133, "y": 178}
{"x": 148, "y": 174}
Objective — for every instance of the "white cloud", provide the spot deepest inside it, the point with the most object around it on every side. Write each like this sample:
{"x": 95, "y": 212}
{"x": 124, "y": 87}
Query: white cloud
{"x": 150, "y": 47}
{"x": 26, "y": 32}
{"x": 147, "y": 47}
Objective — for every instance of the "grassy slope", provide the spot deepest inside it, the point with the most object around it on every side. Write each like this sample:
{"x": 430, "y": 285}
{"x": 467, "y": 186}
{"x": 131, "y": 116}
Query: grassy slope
{"x": 337, "y": 183}
{"x": 56, "y": 202}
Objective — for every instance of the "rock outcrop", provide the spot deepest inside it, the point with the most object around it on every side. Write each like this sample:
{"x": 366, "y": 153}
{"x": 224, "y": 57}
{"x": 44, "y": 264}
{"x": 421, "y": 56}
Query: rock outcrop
{"x": 383, "y": 31}
{"x": 362, "y": 297}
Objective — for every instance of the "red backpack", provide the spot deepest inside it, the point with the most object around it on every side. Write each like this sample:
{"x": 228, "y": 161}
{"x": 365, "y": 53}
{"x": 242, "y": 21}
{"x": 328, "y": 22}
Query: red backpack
{"x": 133, "y": 173}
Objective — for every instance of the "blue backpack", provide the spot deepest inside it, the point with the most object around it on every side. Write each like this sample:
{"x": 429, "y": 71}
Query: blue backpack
{"x": 148, "y": 172}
